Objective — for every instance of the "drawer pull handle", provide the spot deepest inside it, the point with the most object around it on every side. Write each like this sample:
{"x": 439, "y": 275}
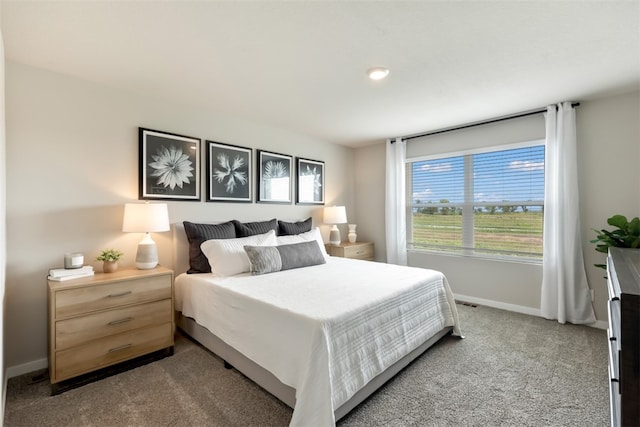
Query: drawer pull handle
{"x": 121, "y": 294}
{"x": 122, "y": 347}
{"x": 117, "y": 322}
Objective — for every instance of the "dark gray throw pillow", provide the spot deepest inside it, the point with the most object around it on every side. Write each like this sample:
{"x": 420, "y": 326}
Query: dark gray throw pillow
{"x": 198, "y": 233}
{"x": 246, "y": 229}
{"x": 269, "y": 259}
{"x": 293, "y": 228}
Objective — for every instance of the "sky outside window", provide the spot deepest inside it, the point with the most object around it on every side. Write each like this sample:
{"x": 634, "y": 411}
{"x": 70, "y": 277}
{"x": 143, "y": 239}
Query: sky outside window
{"x": 515, "y": 175}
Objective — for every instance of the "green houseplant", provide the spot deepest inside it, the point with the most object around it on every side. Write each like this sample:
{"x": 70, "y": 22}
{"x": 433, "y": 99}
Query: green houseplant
{"x": 625, "y": 235}
{"x": 109, "y": 258}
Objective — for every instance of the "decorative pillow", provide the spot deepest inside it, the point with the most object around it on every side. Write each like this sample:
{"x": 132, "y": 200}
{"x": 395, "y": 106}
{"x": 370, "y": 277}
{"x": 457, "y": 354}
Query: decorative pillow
{"x": 246, "y": 229}
{"x": 309, "y": 236}
{"x": 268, "y": 259}
{"x": 227, "y": 256}
{"x": 198, "y": 233}
{"x": 291, "y": 228}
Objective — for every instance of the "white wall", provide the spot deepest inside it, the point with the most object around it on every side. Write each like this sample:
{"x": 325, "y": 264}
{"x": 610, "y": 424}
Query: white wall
{"x": 72, "y": 163}
{"x": 369, "y": 197}
{"x": 608, "y": 156}
{"x": 609, "y": 174}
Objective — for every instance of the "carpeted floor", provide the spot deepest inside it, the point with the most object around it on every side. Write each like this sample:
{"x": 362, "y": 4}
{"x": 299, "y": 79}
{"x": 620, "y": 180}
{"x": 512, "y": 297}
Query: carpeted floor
{"x": 510, "y": 370}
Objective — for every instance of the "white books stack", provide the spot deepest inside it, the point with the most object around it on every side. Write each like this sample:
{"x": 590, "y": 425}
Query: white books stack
{"x": 62, "y": 274}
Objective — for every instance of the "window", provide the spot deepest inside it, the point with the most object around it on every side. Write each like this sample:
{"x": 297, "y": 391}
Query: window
{"x": 484, "y": 202}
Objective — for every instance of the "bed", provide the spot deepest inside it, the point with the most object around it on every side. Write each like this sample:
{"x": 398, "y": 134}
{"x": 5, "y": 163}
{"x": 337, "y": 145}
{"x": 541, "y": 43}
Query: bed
{"x": 322, "y": 337}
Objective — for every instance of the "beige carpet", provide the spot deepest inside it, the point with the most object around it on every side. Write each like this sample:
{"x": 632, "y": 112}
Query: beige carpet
{"x": 511, "y": 369}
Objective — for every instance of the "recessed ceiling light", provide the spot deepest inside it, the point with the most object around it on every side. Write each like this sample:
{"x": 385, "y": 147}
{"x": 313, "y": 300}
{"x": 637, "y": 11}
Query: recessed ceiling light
{"x": 378, "y": 73}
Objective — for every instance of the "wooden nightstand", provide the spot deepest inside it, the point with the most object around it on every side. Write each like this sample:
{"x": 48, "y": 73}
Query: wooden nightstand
{"x": 105, "y": 319}
{"x": 358, "y": 250}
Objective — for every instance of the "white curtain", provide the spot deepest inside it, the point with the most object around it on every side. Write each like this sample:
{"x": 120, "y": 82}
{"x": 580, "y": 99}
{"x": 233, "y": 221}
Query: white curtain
{"x": 565, "y": 291}
{"x": 395, "y": 208}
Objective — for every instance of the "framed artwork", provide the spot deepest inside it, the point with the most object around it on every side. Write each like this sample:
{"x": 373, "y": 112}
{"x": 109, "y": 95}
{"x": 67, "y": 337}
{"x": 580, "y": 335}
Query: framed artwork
{"x": 309, "y": 182}
{"x": 169, "y": 166}
{"x": 274, "y": 177}
{"x": 229, "y": 177}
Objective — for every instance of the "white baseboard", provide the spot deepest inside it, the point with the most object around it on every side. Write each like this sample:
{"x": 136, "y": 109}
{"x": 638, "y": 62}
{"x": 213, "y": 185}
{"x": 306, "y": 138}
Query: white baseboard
{"x": 25, "y": 368}
{"x": 599, "y": 324}
{"x": 497, "y": 304}
{"x": 4, "y": 395}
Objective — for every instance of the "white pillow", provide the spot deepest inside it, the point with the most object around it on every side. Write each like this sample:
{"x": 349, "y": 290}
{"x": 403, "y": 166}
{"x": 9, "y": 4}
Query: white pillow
{"x": 313, "y": 234}
{"x": 227, "y": 256}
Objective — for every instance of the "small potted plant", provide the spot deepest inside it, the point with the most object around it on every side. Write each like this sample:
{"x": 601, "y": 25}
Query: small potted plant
{"x": 625, "y": 235}
{"x": 109, "y": 258}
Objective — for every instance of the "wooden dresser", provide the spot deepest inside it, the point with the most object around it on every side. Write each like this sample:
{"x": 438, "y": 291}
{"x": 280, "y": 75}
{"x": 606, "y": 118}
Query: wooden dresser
{"x": 358, "y": 250}
{"x": 623, "y": 282}
{"x": 102, "y": 320}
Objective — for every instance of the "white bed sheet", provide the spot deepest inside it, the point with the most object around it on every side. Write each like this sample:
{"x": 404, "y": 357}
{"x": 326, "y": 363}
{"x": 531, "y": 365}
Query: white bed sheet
{"x": 325, "y": 330}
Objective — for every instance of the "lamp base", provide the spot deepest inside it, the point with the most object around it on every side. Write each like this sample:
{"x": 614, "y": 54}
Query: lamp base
{"x": 334, "y": 235}
{"x": 147, "y": 255}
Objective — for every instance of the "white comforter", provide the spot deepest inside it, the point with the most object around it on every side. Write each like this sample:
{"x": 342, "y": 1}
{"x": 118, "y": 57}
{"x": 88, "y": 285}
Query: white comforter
{"x": 325, "y": 330}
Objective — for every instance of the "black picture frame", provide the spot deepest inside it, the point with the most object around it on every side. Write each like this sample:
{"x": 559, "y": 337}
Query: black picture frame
{"x": 169, "y": 166}
{"x": 229, "y": 173}
{"x": 274, "y": 177}
{"x": 309, "y": 182}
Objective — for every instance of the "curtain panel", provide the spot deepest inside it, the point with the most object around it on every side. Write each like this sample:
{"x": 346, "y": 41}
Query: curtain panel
{"x": 395, "y": 205}
{"x": 565, "y": 292}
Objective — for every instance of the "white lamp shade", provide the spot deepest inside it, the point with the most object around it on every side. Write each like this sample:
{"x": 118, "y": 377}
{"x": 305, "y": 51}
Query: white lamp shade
{"x": 335, "y": 215}
{"x": 145, "y": 217}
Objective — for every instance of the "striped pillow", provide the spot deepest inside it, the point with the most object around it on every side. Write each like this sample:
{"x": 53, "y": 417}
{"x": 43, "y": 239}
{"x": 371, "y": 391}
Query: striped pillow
{"x": 293, "y": 228}
{"x": 269, "y": 259}
{"x": 246, "y": 229}
{"x": 198, "y": 233}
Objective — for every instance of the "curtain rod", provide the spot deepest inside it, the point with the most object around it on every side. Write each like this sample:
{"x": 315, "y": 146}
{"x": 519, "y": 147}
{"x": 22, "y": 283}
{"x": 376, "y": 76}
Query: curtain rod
{"x": 484, "y": 122}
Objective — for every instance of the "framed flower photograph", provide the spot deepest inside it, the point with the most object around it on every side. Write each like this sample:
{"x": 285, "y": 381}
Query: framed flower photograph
{"x": 274, "y": 177}
{"x": 169, "y": 166}
{"x": 229, "y": 177}
{"x": 309, "y": 182}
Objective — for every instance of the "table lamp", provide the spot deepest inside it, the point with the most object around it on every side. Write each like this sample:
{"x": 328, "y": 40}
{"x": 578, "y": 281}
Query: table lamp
{"x": 146, "y": 218}
{"x": 335, "y": 215}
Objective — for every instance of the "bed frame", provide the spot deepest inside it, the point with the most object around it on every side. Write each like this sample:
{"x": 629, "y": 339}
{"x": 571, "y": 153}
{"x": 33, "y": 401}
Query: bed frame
{"x": 258, "y": 374}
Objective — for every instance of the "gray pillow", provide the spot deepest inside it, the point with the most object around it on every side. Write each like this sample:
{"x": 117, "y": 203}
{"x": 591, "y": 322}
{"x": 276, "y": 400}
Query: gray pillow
{"x": 293, "y": 228}
{"x": 269, "y": 259}
{"x": 246, "y": 229}
{"x": 198, "y": 233}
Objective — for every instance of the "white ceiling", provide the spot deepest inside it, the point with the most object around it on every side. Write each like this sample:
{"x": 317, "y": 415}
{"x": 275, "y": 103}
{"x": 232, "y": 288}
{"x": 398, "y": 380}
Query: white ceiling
{"x": 301, "y": 65}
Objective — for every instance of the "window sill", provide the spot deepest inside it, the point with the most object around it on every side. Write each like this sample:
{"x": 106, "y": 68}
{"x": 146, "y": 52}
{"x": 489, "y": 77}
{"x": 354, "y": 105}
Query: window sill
{"x": 495, "y": 258}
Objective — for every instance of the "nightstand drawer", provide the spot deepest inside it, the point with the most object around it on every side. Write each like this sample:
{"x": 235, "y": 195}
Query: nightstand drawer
{"x": 107, "y": 351}
{"x": 88, "y": 299}
{"x": 79, "y": 330}
{"x": 359, "y": 252}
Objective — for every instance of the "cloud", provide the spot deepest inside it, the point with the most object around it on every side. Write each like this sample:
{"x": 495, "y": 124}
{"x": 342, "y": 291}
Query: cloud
{"x": 527, "y": 166}
{"x": 487, "y": 198}
{"x": 423, "y": 195}
{"x": 442, "y": 167}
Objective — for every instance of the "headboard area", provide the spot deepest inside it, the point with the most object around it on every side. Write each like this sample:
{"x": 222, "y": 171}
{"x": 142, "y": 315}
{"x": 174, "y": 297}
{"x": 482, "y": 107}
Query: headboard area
{"x": 180, "y": 248}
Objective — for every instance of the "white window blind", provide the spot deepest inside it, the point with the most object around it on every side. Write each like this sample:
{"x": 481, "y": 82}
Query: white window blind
{"x": 487, "y": 201}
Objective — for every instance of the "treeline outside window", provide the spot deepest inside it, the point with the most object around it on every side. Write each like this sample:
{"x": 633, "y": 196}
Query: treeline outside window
{"x": 486, "y": 202}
